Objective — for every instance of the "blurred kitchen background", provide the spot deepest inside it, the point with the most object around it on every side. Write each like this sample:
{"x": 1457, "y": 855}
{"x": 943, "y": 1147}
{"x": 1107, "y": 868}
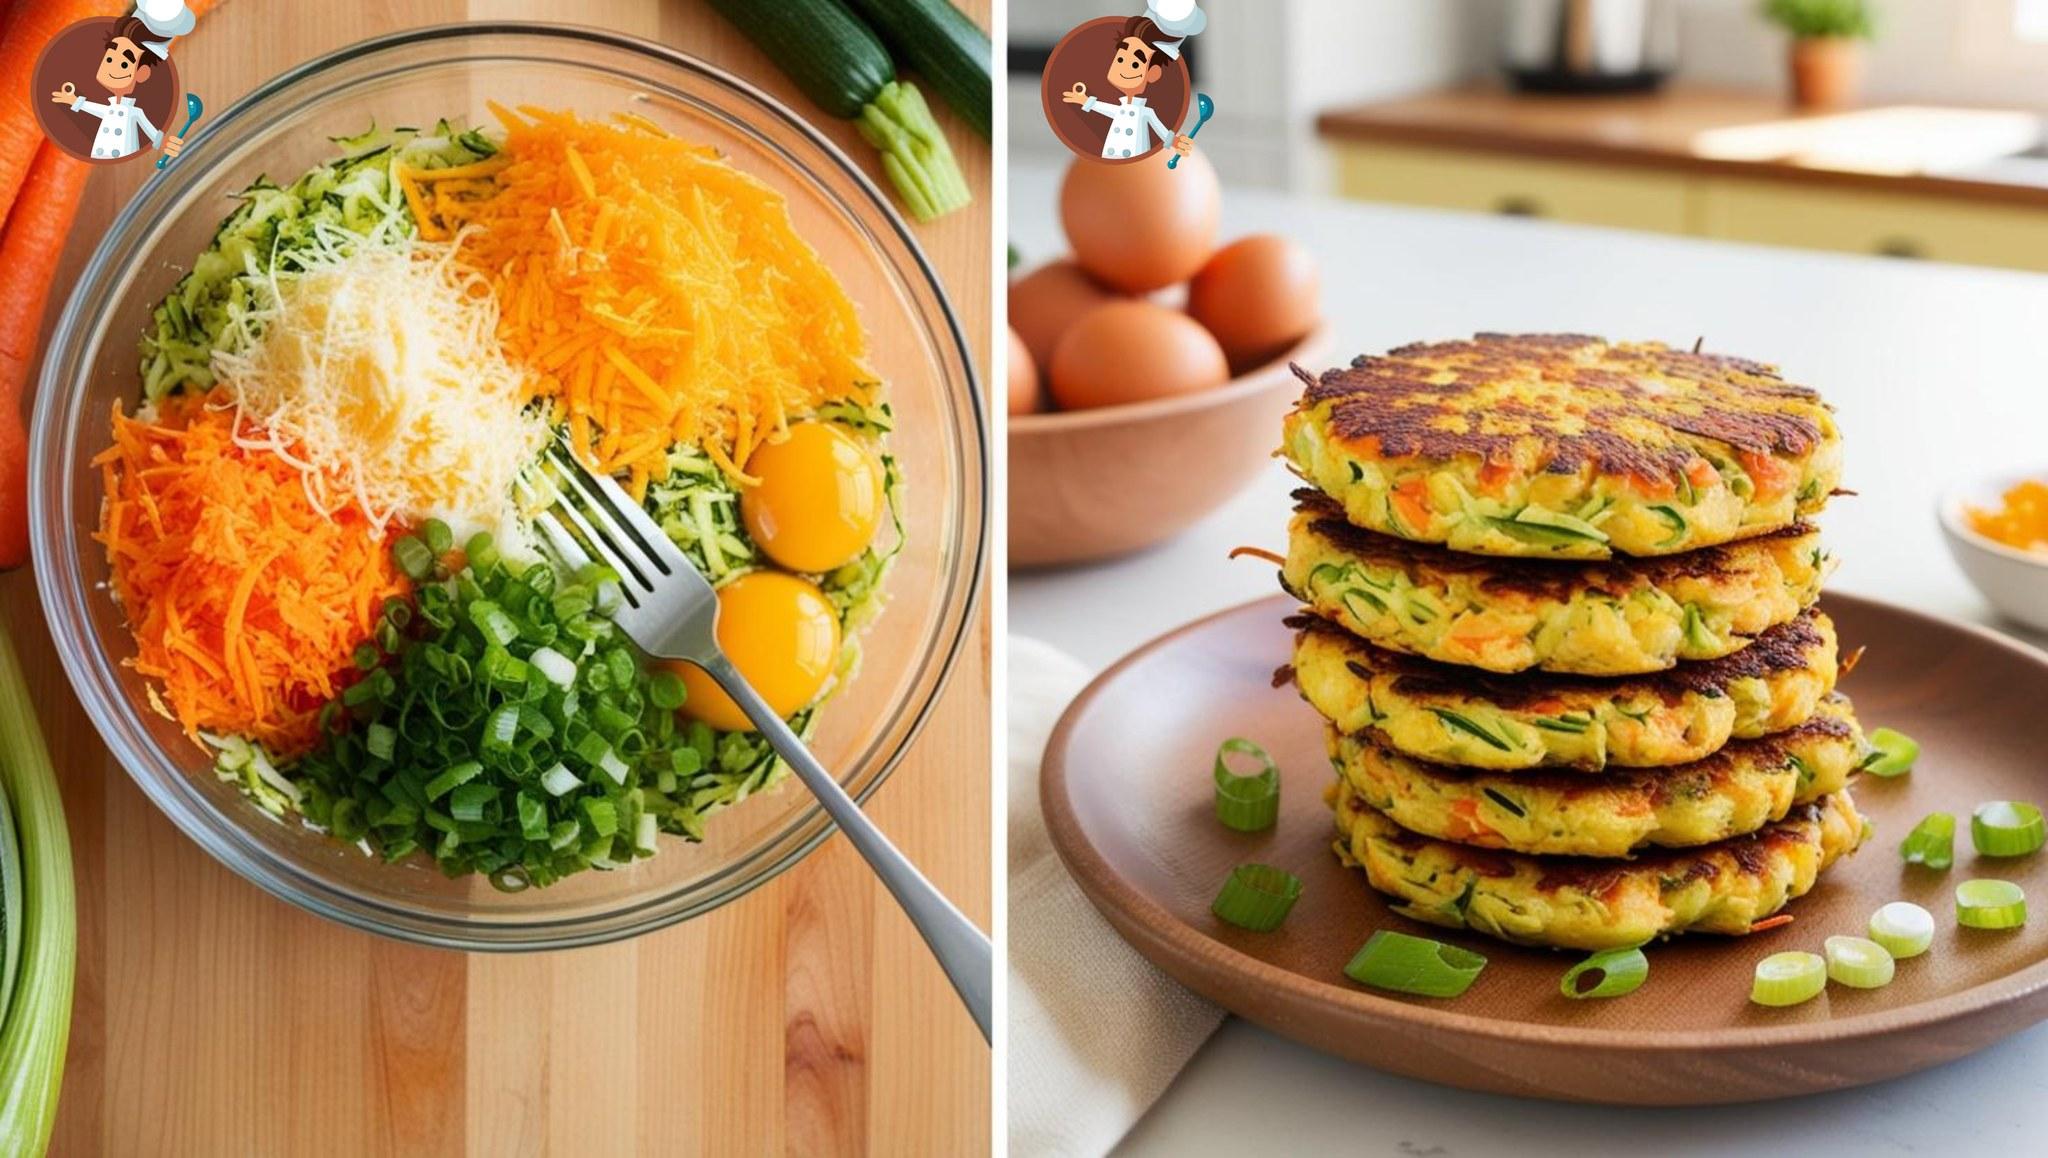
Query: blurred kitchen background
{"x": 1672, "y": 116}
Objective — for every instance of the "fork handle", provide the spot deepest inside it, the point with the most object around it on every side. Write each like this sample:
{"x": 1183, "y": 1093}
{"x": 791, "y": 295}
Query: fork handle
{"x": 962, "y": 949}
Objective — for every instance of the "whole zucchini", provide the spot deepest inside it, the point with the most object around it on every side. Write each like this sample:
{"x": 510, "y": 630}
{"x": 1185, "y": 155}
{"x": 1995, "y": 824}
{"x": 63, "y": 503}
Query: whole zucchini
{"x": 834, "y": 58}
{"x": 841, "y": 66}
{"x": 945, "y": 48}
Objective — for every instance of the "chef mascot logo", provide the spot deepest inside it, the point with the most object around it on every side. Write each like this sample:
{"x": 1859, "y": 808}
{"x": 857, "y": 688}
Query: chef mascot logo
{"x": 1117, "y": 89}
{"x": 105, "y": 89}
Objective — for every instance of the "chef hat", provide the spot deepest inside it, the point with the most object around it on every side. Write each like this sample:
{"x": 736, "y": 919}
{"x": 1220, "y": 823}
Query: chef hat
{"x": 1180, "y": 18}
{"x": 166, "y": 18}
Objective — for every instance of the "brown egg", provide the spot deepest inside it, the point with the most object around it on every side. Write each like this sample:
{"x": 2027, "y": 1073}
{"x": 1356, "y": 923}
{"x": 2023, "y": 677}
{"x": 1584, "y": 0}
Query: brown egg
{"x": 1044, "y": 302}
{"x": 1141, "y": 226}
{"x": 1258, "y": 295}
{"x": 1134, "y": 351}
{"x": 1024, "y": 393}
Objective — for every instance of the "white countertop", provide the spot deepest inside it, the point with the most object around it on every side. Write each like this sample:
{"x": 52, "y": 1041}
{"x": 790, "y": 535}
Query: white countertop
{"x": 1936, "y": 372}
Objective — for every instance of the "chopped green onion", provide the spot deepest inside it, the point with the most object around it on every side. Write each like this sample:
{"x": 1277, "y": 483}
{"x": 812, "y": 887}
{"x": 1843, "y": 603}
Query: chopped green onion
{"x": 2007, "y": 828}
{"x": 412, "y": 557}
{"x": 491, "y": 619}
{"x": 1789, "y": 978}
{"x": 644, "y": 832}
{"x": 602, "y": 815}
{"x": 482, "y": 551}
{"x": 553, "y": 666}
{"x": 1251, "y": 802}
{"x": 665, "y": 690}
{"x": 612, "y": 766}
{"x": 467, "y": 802}
{"x": 1257, "y": 897}
{"x": 440, "y": 540}
{"x": 1893, "y": 753}
{"x": 1903, "y": 928}
{"x": 533, "y": 817}
{"x": 1609, "y": 973}
{"x": 1932, "y": 842}
{"x": 1859, "y": 963}
{"x": 1990, "y": 904}
{"x": 559, "y": 781}
{"x": 381, "y": 740}
{"x": 1402, "y": 963}
{"x": 454, "y": 777}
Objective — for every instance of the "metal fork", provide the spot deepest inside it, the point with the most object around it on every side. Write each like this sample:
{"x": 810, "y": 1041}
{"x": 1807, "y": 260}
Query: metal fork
{"x": 672, "y": 613}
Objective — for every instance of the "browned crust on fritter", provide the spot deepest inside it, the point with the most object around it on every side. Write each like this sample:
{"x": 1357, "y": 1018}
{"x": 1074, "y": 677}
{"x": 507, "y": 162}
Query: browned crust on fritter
{"x": 1393, "y": 401}
{"x": 1597, "y": 876}
{"x": 1537, "y": 577}
{"x": 1786, "y": 647}
{"x": 1697, "y": 778}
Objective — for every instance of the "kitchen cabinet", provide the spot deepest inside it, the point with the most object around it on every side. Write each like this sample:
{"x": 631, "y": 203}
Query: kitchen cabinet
{"x": 1856, "y": 221}
{"x": 1483, "y": 183}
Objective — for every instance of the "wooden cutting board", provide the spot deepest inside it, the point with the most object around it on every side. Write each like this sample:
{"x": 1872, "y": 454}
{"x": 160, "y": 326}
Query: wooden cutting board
{"x": 805, "y": 1018}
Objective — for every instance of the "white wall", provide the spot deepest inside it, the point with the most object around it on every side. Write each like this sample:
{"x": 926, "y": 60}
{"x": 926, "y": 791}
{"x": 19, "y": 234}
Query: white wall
{"x": 1954, "y": 51}
{"x": 1270, "y": 65}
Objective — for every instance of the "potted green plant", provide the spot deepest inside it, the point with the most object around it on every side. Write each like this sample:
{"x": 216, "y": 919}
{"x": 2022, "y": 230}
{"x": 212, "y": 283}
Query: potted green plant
{"x": 1827, "y": 48}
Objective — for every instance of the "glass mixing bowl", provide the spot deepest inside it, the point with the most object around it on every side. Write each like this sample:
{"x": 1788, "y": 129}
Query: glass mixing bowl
{"x": 282, "y": 129}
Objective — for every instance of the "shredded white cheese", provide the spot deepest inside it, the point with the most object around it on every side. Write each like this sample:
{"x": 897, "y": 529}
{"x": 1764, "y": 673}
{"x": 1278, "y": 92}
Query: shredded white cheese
{"x": 377, "y": 371}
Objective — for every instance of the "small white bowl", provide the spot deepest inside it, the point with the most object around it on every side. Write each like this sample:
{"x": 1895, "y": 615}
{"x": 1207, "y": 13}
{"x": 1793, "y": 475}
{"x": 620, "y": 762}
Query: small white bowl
{"x": 2014, "y": 581}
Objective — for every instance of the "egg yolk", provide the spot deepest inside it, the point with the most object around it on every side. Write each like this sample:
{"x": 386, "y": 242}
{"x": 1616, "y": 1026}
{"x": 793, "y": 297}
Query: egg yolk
{"x": 819, "y": 499}
{"x": 783, "y": 635}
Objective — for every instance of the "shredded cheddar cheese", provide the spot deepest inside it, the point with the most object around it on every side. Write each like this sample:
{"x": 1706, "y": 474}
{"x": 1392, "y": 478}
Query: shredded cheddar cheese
{"x": 377, "y": 371}
{"x": 660, "y": 295}
{"x": 246, "y": 601}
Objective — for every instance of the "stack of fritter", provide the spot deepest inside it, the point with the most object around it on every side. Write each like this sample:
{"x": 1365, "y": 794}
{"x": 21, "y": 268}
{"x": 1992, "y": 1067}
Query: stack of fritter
{"x": 1559, "y": 617}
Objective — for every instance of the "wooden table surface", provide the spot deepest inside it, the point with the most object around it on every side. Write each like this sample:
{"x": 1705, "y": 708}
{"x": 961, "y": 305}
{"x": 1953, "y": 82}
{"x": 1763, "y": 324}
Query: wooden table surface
{"x": 805, "y": 1018}
{"x": 1661, "y": 130}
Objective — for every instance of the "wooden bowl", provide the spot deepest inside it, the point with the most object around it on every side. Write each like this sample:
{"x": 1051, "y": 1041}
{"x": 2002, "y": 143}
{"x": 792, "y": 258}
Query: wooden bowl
{"x": 1093, "y": 484}
{"x": 1130, "y": 807}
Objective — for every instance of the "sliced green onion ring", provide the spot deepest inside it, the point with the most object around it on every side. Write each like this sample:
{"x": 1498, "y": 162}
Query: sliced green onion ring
{"x": 1257, "y": 897}
{"x": 2007, "y": 828}
{"x": 1614, "y": 973}
{"x": 1990, "y": 904}
{"x": 1859, "y": 963}
{"x": 1789, "y": 978}
{"x": 1247, "y": 803}
{"x": 1417, "y": 965}
{"x": 1893, "y": 753}
{"x": 1932, "y": 842}
{"x": 1903, "y": 928}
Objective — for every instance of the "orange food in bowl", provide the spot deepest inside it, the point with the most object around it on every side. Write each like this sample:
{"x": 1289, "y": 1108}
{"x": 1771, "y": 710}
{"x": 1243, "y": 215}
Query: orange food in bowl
{"x": 1024, "y": 392}
{"x": 1258, "y": 296}
{"x": 783, "y": 635}
{"x": 1044, "y": 302}
{"x": 2020, "y": 520}
{"x": 1134, "y": 351}
{"x": 1142, "y": 226}
{"x": 818, "y": 501}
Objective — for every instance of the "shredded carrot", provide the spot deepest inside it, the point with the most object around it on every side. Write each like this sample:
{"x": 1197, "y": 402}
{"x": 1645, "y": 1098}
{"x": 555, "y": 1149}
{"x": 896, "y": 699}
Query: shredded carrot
{"x": 704, "y": 314}
{"x": 1259, "y": 553}
{"x": 1771, "y": 922}
{"x": 245, "y": 600}
{"x": 2020, "y": 520}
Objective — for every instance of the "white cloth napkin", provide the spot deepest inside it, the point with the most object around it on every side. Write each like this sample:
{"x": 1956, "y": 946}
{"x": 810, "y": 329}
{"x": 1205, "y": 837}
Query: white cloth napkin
{"x": 1096, "y": 1031}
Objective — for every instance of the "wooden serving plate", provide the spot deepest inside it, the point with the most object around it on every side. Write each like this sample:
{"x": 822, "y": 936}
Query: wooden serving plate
{"x": 1129, "y": 800}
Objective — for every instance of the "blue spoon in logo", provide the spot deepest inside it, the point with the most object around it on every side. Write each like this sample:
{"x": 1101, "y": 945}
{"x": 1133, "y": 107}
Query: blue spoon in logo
{"x": 1204, "y": 109}
{"x": 192, "y": 110}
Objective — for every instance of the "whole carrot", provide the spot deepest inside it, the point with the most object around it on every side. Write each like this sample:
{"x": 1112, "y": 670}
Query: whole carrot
{"x": 29, "y": 27}
{"x": 30, "y": 245}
